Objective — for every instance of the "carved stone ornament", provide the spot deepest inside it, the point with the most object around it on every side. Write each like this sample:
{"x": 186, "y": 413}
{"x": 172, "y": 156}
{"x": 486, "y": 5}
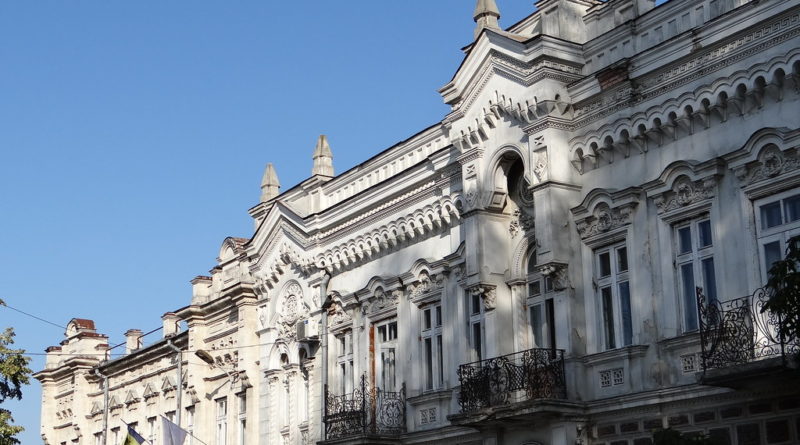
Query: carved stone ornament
{"x": 292, "y": 310}
{"x": 487, "y": 292}
{"x": 604, "y": 219}
{"x": 524, "y": 192}
{"x": 685, "y": 192}
{"x": 382, "y": 301}
{"x": 772, "y": 162}
{"x": 557, "y": 272}
{"x": 521, "y": 222}
{"x": 337, "y": 315}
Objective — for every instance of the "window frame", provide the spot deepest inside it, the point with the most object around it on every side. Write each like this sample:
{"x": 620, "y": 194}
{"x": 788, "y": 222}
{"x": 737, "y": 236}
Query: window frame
{"x": 434, "y": 334}
{"x": 386, "y": 351}
{"x": 477, "y": 344}
{"x": 615, "y": 330}
{"x": 221, "y": 423}
{"x": 780, "y": 233}
{"x": 695, "y": 257}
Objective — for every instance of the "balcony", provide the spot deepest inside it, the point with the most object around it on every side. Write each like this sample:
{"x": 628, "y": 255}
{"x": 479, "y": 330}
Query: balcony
{"x": 365, "y": 412}
{"x": 510, "y": 385}
{"x": 740, "y": 340}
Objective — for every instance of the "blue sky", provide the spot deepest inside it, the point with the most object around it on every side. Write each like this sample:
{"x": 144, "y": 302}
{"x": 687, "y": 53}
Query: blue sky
{"x": 134, "y": 134}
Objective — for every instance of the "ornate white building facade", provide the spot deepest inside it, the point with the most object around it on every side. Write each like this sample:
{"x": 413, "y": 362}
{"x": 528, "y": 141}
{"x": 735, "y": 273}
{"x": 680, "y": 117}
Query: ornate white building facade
{"x": 571, "y": 256}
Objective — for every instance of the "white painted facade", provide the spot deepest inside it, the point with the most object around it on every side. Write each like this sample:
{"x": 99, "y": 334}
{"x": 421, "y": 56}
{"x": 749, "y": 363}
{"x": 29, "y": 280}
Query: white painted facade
{"x": 600, "y": 161}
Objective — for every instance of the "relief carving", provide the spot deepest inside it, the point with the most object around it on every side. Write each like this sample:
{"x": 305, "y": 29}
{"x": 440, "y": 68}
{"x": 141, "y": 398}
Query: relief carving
{"x": 487, "y": 292}
{"x": 605, "y": 219}
{"x": 685, "y": 192}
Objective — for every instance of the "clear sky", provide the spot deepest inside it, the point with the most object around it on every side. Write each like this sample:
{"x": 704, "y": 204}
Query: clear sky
{"x": 134, "y": 135}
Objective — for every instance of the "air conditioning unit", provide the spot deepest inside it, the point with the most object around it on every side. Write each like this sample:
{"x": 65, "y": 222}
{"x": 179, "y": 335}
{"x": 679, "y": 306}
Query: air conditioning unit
{"x": 302, "y": 329}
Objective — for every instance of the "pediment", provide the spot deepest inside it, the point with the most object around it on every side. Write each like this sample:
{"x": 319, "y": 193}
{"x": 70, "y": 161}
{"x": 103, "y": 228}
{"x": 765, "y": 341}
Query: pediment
{"x": 499, "y": 55}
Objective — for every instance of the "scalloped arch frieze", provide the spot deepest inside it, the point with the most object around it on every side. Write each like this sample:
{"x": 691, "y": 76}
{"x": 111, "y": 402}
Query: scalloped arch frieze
{"x": 712, "y": 104}
{"x": 411, "y": 228}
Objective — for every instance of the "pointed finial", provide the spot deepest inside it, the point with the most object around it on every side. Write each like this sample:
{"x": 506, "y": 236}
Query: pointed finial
{"x": 323, "y": 158}
{"x": 486, "y": 15}
{"x": 270, "y": 187}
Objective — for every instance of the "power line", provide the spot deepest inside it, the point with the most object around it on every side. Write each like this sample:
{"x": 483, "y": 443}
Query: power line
{"x": 3, "y": 303}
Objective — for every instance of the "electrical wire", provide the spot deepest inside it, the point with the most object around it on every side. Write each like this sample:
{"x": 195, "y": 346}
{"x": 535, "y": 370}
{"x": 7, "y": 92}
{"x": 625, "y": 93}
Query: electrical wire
{"x": 3, "y": 303}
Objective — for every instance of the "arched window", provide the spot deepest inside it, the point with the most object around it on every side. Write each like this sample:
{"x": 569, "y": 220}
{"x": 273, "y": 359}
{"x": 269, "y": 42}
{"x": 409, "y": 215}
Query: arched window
{"x": 541, "y": 307}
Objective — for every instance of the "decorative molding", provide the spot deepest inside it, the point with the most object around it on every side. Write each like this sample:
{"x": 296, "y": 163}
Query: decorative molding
{"x": 557, "y": 272}
{"x": 487, "y": 292}
{"x": 520, "y": 223}
{"x": 604, "y": 219}
{"x": 293, "y": 309}
{"x": 685, "y": 192}
{"x": 683, "y": 115}
{"x": 410, "y": 228}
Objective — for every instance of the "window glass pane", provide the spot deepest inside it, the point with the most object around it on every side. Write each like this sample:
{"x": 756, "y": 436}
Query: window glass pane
{"x": 476, "y": 304}
{"x": 792, "y": 208}
{"x": 440, "y": 358}
{"x": 532, "y": 263}
{"x": 689, "y": 297}
{"x": 476, "y": 340}
{"x": 771, "y": 215}
{"x": 608, "y": 317}
{"x": 704, "y": 233}
{"x": 550, "y": 323}
{"x": 382, "y": 333}
{"x": 709, "y": 279}
{"x": 622, "y": 259}
{"x": 534, "y": 288}
{"x": 428, "y": 364}
{"x": 536, "y": 325}
{"x": 625, "y": 313}
{"x": 772, "y": 253}
{"x": 684, "y": 240}
{"x": 548, "y": 284}
{"x": 426, "y": 317}
{"x": 438, "y": 316}
{"x": 605, "y": 264}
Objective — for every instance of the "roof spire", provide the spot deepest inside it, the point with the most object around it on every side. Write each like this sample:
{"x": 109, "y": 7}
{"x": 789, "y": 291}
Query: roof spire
{"x": 486, "y": 15}
{"x": 269, "y": 184}
{"x": 323, "y": 158}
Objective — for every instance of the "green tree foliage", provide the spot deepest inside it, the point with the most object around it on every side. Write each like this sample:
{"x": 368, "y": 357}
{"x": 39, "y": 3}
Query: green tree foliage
{"x": 784, "y": 286}
{"x": 14, "y": 373}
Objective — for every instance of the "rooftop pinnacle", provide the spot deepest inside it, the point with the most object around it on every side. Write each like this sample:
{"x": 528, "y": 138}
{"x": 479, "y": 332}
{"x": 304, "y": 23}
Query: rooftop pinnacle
{"x": 323, "y": 158}
{"x": 270, "y": 187}
{"x": 486, "y": 15}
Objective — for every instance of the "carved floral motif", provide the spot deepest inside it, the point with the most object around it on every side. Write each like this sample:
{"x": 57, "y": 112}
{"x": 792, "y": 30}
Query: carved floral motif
{"x": 521, "y": 222}
{"x": 771, "y": 163}
{"x": 292, "y": 310}
{"x": 604, "y": 219}
{"x": 685, "y": 192}
{"x": 487, "y": 292}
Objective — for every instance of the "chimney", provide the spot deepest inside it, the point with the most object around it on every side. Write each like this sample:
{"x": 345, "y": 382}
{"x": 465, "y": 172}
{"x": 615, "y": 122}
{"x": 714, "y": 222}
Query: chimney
{"x": 133, "y": 340}
{"x": 171, "y": 324}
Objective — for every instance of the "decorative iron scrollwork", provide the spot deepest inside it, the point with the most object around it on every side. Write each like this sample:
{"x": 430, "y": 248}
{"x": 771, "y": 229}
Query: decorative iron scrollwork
{"x": 740, "y": 331}
{"x": 526, "y": 375}
{"x": 365, "y": 411}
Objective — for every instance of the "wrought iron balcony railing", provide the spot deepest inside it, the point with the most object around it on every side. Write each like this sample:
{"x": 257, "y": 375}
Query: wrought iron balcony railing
{"x": 740, "y": 331}
{"x": 512, "y": 378}
{"x": 365, "y": 411}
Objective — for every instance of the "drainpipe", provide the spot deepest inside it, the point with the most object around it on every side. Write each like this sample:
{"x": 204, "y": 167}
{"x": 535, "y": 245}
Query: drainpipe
{"x": 105, "y": 403}
{"x": 179, "y": 389}
{"x": 323, "y": 291}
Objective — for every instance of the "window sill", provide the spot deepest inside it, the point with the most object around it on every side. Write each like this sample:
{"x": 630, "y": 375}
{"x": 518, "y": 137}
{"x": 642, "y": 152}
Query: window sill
{"x": 430, "y": 396}
{"x": 632, "y": 351}
{"x": 682, "y": 341}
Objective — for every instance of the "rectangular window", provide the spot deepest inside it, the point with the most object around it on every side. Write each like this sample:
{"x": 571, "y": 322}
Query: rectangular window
{"x": 151, "y": 430}
{"x": 221, "y": 430}
{"x": 344, "y": 361}
{"x": 189, "y": 426}
{"x": 616, "y": 315}
{"x": 778, "y": 220}
{"x": 385, "y": 351}
{"x": 242, "y": 426}
{"x": 694, "y": 262}
{"x": 475, "y": 326}
{"x": 431, "y": 337}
